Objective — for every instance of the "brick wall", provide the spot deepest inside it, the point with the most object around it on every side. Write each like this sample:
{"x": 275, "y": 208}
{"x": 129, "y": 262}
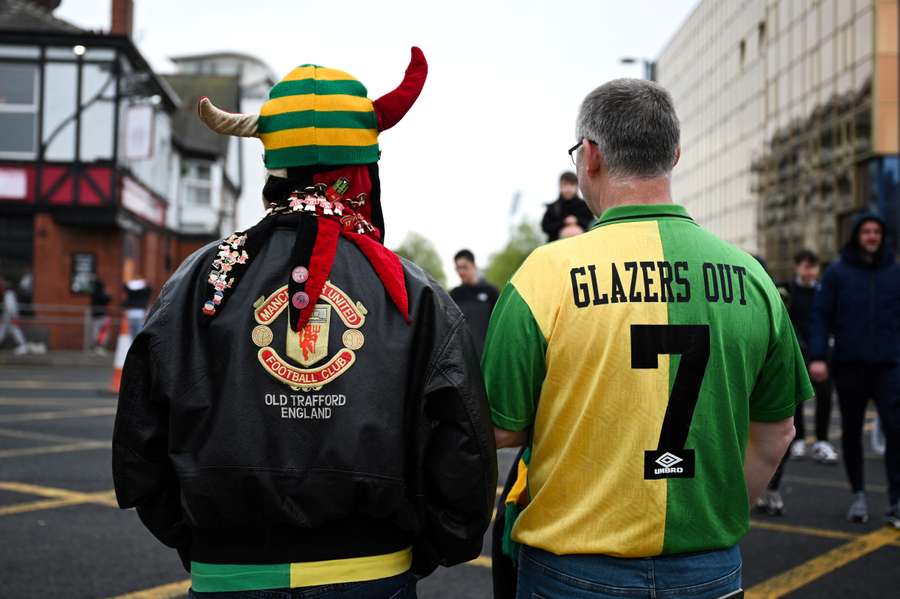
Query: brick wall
{"x": 54, "y": 245}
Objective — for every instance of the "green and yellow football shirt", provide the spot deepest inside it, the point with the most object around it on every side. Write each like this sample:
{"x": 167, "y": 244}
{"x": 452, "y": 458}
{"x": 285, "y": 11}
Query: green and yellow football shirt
{"x": 638, "y": 353}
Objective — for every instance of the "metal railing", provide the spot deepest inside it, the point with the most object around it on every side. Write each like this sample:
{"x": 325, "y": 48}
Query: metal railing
{"x": 36, "y": 320}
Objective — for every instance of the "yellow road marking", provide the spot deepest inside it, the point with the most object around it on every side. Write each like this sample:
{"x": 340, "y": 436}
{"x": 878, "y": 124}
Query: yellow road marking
{"x": 56, "y": 498}
{"x": 821, "y": 565}
{"x": 33, "y": 384}
{"x": 834, "y": 484}
{"x": 59, "y": 414}
{"x": 62, "y": 448}
{"x": 166, "y": 591}
{"x": 11, "y": 432}
{"x": 825, "y": 533}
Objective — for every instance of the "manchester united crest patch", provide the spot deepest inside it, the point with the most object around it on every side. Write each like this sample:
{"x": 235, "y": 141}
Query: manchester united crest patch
{"x": 307, "y": 364}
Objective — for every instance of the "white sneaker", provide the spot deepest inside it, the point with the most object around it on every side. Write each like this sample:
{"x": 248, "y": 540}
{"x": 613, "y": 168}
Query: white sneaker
{"x": 798, "y": 449}
{"x": 824, "y": 453}
{"x": 21, "y": 350}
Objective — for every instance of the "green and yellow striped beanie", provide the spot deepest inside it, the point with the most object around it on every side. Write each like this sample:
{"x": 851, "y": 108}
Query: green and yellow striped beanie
{"x": 317, "y": 115}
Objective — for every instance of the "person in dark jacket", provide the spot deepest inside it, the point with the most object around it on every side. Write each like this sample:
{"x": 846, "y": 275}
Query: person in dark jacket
{"x": 568, "y": 215}
{"x": 475, "y": 296}
{"x": 859, "y": 304}
{"x": 798, "y": 295}
{"x": 304, "y": 409}
{"x": 99, "y": 318}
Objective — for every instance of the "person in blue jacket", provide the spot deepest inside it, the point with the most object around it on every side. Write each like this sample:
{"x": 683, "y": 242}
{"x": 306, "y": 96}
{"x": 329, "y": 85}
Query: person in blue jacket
{"x": 859, "y": 304}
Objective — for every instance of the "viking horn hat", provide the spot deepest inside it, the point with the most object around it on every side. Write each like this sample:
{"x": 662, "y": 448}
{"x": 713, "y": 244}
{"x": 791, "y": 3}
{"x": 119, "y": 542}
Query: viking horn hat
{"x": 315, "y": 98}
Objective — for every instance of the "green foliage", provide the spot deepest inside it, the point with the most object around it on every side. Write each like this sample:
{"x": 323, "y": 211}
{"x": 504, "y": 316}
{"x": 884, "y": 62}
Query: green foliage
{"x": 502, "y": 265}
{"x": 420, "y": 250}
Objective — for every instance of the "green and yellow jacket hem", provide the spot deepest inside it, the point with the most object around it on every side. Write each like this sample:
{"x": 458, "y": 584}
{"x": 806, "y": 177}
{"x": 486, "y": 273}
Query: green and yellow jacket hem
{"x": 222, "y": 578}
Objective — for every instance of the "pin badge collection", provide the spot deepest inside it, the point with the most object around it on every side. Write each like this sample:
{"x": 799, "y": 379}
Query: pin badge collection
{"x": 318, "y": 200}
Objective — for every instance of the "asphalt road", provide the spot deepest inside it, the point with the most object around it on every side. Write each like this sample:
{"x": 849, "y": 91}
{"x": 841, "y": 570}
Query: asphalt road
{"x": 62, "y": 535}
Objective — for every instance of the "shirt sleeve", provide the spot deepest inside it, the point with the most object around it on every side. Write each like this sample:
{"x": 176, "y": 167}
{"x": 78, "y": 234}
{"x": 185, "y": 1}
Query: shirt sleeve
{"x": 513, "y": 362}
{"x": 783, "y": 381}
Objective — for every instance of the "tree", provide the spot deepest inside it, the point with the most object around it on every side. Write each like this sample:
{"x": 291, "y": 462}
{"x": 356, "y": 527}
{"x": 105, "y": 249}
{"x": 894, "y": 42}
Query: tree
{"x": 419, "y": 249}
{"x": 502, "y": 265}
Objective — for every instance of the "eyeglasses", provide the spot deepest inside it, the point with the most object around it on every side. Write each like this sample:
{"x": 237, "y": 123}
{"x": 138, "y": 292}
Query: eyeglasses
{"x": 574, "y": 148}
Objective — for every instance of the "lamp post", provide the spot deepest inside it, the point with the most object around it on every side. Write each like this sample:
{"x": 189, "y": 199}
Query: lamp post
{"x": 649, "y": 66}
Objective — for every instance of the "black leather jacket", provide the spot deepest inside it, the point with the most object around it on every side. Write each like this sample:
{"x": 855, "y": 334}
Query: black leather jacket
{"x": 229, "y": 464}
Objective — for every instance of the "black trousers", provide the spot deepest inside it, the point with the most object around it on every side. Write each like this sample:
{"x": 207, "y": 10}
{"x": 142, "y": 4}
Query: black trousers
{"x": 856, "y": 384}
{"x": 823, "y": 413}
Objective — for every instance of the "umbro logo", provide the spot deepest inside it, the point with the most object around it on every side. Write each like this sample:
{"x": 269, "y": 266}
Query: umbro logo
{"x": 667, "y": 460}
{"x": 666, "y": 464}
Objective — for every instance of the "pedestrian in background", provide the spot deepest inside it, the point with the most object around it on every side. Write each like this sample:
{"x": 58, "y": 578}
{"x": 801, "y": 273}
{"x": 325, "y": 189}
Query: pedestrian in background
{"x": 801, "y": 292}
{"x": 137, "y": 300}
{"x": 858, "y": 303}
{"x": 627, "y": 473}
{"x": 568, "y": 215}
{"x": 10, "y": 321}
{"x": 798, "y": 294}
{"x": 475, "y": 296}
{"x": 100, "y": 320}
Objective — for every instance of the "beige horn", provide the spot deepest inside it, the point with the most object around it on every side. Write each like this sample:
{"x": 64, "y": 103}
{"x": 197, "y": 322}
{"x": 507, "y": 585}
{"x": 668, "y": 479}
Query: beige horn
{"x": 227, "y": 123}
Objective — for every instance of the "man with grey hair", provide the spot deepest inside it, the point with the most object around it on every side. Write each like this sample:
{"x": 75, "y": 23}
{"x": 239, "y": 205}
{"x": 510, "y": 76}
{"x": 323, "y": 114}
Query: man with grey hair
{"x": 651, "y": 371}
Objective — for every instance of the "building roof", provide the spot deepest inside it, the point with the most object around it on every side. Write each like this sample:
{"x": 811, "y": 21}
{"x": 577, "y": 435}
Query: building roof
{"x": 213, "y": 55}
{"x": 188, "y": 131}
{"x": 25, "y": 15}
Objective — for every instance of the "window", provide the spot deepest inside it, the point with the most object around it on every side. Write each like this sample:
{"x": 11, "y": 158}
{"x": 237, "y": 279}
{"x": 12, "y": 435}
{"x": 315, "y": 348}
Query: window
{"x": 18, "y": 110}
{"x": 197, "y": 183}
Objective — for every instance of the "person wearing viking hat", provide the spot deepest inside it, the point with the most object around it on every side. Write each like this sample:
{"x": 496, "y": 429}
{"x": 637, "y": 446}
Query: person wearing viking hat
{"x": 303, "y": 409}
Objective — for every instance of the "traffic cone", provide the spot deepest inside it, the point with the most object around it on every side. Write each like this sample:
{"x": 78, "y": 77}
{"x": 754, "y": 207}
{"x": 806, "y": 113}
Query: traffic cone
{"x": 122, "y": 345}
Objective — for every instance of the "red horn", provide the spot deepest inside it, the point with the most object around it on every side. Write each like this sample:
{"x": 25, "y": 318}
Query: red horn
{"x": 393, "y": 106}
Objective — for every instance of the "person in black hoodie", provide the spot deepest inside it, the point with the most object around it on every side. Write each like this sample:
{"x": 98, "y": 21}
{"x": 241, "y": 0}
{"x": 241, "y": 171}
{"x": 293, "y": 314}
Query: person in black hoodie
{"x": 568, "y": 215}
{"x": 859, "y": 304}
{"x": 303, "y": 410}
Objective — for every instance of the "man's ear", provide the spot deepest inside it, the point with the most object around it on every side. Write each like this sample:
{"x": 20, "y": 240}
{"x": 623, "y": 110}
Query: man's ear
{"x": 593, "y": 158}
{"x": 677, "y": 155}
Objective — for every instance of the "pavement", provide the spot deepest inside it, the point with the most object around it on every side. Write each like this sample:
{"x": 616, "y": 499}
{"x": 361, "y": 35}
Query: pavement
{"x": 64, "y": 536}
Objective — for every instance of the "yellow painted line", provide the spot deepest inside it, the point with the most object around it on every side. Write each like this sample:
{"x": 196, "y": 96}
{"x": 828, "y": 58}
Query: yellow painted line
{"x": 47, "y": 449}
{"x": 812, "y": 570}
{"x": 825, "y": 533}
{"x": 102, "y": 497}
{"x": 832, "y": 484}
{"x": 166, "y": 591}
{"x": 482, "y": 561}
{"x": 33, "y": 384}
{"x": 35, "y": 506}
{"x": 58, "y": 415}
{"x": 17, "y": 434}
{"x": 56, "y": 498}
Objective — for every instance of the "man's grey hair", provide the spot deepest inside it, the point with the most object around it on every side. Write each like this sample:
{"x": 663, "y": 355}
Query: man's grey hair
{"x": 633, "y": 122}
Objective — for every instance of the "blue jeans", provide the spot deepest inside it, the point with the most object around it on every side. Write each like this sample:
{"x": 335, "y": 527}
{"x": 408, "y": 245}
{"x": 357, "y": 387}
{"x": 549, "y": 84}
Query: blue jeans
{"x": 707, "y": 575}
{"x": 395, "y": 587}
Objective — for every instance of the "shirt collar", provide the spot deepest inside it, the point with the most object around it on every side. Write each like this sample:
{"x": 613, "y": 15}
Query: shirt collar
{"x": 641, "y": 212}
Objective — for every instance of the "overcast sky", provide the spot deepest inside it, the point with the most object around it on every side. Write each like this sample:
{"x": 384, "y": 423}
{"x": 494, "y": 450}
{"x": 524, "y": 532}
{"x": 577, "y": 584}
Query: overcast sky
{"x": 498, "y": 110}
